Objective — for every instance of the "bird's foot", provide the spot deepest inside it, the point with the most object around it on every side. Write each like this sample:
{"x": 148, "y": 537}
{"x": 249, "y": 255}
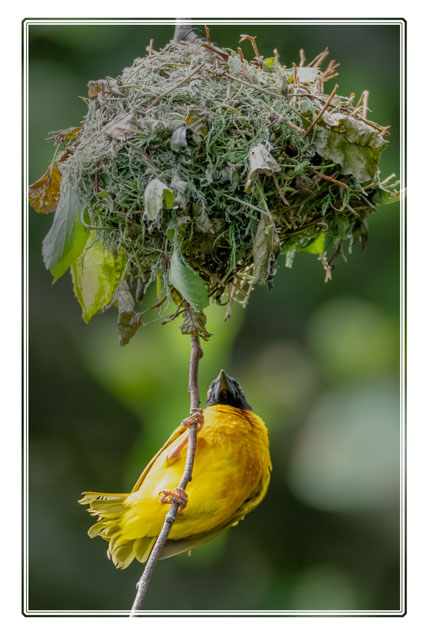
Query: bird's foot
{"x": 196, "y": 418}
{"x": 177, "y": 496}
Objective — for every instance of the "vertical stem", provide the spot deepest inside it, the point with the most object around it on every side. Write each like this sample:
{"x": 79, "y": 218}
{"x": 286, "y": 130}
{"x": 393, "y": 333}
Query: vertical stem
{"x": 193, "y": 381}
{"x": 193, "y": 388}
{"x": 184, "y": 31}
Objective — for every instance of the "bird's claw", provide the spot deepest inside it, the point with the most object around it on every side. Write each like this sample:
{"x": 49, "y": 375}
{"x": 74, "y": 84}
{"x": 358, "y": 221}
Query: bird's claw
{"x": 177, "y": 496}
{"x": 196, "y": 418}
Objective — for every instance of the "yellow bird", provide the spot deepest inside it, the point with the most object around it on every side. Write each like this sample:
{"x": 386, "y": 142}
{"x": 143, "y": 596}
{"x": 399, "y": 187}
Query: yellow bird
{"x": 231, "y": 475}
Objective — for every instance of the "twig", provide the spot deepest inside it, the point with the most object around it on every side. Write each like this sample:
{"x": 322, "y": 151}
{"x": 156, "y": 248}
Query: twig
{"x": 280, "y": 192}
{"x": 193, "y": 387}
{"x": 149, "y": 49}
{"x": 253, "y": 86}
{"x": 253, "y": 43}
{"x": 316, "y": 120}
{"x": 215, "y": 50}
{"x": 251, "y": 206}
{"x": 331, "y": 71}
{"x": 317, "y": 61}
{"x": 178, "y": 84}
{"x": 294, "y": 66}
{"x": 334, "y": 180}
{"x": 182, "y": 32}
{"x": 363, "y": 103}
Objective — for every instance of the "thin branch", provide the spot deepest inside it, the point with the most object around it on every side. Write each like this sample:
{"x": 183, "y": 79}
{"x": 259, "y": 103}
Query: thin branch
{"x": 178, "y": 84}
{"x": 316, "y": 120}
{"x": 330, "y": 178}
{"x": 253, "y": 86}
{"x": 193, "y": 387}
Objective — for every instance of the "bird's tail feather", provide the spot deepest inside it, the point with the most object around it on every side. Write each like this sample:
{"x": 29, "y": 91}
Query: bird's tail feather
{"x": 110, "y": 507}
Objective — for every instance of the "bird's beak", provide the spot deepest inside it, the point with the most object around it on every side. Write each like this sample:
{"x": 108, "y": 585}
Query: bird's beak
{"x": 226, "y": 390}
{"x": 223, "y": 383}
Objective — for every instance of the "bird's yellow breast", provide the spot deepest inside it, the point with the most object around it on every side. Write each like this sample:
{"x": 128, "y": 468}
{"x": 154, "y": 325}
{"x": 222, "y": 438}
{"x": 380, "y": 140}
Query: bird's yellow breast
{"x": 232, "y": 460}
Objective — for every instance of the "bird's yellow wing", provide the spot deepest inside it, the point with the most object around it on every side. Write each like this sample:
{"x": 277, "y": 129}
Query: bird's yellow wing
{"x": 175, "y": 547}
{"x": 175, "y": 435}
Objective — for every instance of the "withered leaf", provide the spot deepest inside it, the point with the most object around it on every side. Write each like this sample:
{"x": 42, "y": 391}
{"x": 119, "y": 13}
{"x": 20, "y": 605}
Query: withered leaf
{"x": 103, "y": 86}
{"x": 157, "y": 196}
{"x": 64, "y": 135}
{"x": 353, "y": 144}
{"x": 304, "y": 74}
{"x": 263, "y": 250}
{"x": 202, "y": 219}
{"x": 194, "y": 324}
{"x": 94, "y": 87}
{"x": 178, "y": 140}
{"x": 332, "y": 119}
{"x": 122, "y": 127}
{"x": 260, "y": 161}
{"x": 180, "y": 189}
{"x": 197, "y": 123}
{"x": 126, "y": 304}
{"x": 45, "y": 193}
{"x": 234, "y": 65}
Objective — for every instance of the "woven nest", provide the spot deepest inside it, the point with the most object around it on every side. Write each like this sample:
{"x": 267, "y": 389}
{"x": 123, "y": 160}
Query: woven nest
{"x": 206, "y": 171}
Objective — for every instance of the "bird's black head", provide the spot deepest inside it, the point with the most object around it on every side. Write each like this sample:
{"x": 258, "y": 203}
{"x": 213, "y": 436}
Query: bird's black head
{"x": 226, "y": 390}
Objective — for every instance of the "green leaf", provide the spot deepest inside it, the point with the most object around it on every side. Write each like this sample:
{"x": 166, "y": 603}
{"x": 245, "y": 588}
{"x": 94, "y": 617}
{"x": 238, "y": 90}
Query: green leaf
{"x": 67, "y": 236}
{"x": 95, "y": 274}
{"x": 354, "y": 145}
{"x": 262, "y": 250}
{"x": 189, "y": 284}
{"x": 179, "y": 139}
{"x": 157, "y": 196}
{"x": 168, "y": 198}
{"x": 389, "y": 197}
{"x": 317, "y": 245}
{"x": 270, "y": 62}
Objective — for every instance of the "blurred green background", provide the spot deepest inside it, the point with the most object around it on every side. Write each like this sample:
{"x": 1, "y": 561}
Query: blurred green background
{"x": 320, "y": 363}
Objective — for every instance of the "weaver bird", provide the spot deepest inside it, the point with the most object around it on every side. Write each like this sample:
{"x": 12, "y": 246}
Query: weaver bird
{"x": 231, "y": 475}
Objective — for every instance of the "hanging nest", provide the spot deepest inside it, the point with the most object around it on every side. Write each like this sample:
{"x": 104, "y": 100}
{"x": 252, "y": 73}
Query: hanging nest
{"x": 202, "y": 171}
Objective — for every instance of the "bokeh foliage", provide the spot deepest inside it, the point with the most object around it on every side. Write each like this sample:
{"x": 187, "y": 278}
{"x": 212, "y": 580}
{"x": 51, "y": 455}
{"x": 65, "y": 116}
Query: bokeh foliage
{"x": 320, "y": 363}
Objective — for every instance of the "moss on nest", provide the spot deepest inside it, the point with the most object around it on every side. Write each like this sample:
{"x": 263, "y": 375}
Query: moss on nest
{"x": 198, "y": 169}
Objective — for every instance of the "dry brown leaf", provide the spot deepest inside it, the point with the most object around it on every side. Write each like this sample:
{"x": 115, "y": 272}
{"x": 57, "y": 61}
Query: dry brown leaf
{"x": 44, "y": 194}
{"x": 95, "y": 87}
{"x": 104, "y": 86}
{"x": 122, "y": 127}
{"x": 64, "y": 135}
